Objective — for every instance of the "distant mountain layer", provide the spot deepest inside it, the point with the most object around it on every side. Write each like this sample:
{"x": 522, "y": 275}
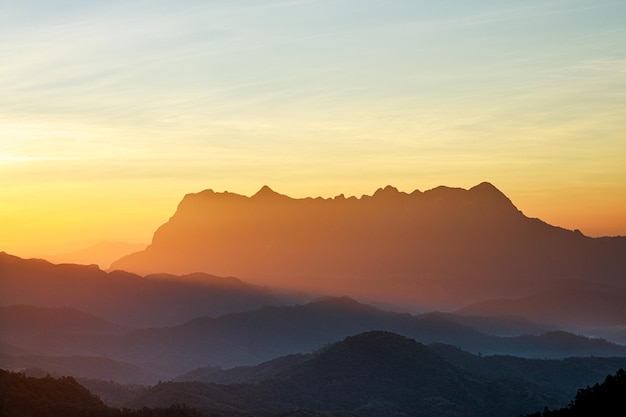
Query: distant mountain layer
{"x": 246, "y": 338}
{"x": 121, "y": 297}
{"x": 101, "y": 254}
{"x": 446, "y": 247}
{"x": 81, "y": 367}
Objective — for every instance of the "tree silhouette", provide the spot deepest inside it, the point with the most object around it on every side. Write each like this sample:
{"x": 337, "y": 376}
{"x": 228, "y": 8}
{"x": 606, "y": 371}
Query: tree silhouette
{"x": 606, "y": 399}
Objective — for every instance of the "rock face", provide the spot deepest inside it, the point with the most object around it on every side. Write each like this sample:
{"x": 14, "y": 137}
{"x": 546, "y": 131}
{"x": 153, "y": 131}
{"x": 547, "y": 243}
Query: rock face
{"x": 440, "y": 248}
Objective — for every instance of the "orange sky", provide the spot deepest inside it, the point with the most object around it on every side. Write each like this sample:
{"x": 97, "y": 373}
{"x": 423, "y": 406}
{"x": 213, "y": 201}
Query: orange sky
{"x": 110, "y": 113}
{"x": 67, "y": 218}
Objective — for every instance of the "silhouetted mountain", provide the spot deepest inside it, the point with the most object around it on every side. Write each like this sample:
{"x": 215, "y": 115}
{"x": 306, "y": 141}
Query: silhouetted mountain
{"x": 122, "y": 297}
{"x": 371, "y": 374}
{"x": 440, "y": 248}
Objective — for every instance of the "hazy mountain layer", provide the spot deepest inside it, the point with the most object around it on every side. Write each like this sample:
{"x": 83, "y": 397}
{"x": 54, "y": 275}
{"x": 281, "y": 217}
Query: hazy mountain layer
{"x": 101, "y": 254}
{"x": 123, "y": 297}
{"x": 267, "y": 333}
{"x": 445, "y": 247}
{"x": 82, "y": 367}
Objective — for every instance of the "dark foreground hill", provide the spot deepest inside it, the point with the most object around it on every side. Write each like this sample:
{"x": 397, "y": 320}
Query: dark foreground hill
{"x": 443, "y": 248}
{"x": 23, "y": 396}
{"x": 348, "y": 385}
{"x": 371, "y": 374}
{"x": 606, "y": 399}
{"x": 27, "y": 396}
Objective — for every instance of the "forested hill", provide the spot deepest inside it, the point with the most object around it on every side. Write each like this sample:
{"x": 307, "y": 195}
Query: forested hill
{"x": 24, "y": 396}
{"x": 606, "y": 400}
{"x": 370, "y": 374}
{"x": 43, "y": 397}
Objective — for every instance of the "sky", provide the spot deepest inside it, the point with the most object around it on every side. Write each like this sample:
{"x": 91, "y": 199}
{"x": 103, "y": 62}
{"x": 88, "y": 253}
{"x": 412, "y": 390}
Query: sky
{"x": 110, "y": 112}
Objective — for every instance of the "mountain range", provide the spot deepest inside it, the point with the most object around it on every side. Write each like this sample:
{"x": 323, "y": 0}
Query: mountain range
{"x": 123, "y": 297}
{"x": 374, "y": 373}
{"x": 444, "y": 302}
{"x": 69, "y": 341}
{"x": 381, "y": 373}
{"x": 446, "y": 248}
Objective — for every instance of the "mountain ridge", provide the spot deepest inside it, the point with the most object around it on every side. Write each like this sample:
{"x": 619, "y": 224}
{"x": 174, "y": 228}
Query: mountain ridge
{"x": 124, "y": 297}
{"x": 441, "y": 248}
{"x": 249, "y": 338}
{"x": 369, "y": 374}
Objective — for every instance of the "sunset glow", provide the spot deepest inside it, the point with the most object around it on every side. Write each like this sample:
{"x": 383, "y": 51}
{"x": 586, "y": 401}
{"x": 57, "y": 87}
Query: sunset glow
{"x": 111, "y": 112}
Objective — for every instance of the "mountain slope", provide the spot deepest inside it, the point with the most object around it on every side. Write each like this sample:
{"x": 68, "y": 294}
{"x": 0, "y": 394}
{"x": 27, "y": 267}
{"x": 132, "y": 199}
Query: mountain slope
{"x": 82, "y": 367}
{"x": 367, "y": 374}
{"x": 101, "y": 254}
{"x": 559, "y": 377}
{"x": 443, "y": 248}
{"x": 579, "y": 303}
{"x": 254, "y": 337}
{"x": 27, "y": 396}
{"x": 122, "y": 297}
{"x": 605, "y": 399}
{"x": 19, "y": 322}
{"x": 249, "y": 338}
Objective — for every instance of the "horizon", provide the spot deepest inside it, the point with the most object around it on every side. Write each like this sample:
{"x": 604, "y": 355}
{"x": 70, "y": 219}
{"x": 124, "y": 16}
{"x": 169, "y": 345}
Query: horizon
{"x": 111, "y": 113}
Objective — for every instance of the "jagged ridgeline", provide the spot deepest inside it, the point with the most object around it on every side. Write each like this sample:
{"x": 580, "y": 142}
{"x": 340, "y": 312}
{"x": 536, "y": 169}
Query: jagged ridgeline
{"x": 440, "y": 248}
